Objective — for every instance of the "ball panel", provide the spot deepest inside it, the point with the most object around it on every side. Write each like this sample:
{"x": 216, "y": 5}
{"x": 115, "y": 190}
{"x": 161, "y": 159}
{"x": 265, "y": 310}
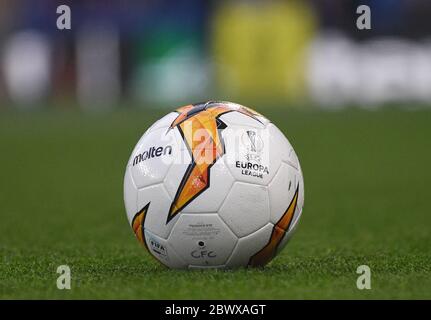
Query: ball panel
{"x": 179, "y": 166}
{"x": 297, "y": 213}
{"x": 163, "y": 252}
{"x": 240, "y": 119}
{"x": 202, "y": 240}
{"x": 164, "y": 122}
{"x": 246, "y": 208}
{"x": 293, "y": 160}
{"x": 157, "y": 214}
{"x": 281, "y": 190}
{"x": 291, "y": 231}
{"x": 301, "y": 198}
{"x": 211, "y": 199}
{"x": 159, "y": 124}
{"x": 256, "y": 114}
{"x": 248, "y": 246}
{"x": 152, "y": 157}
{"x": 130, "y": 195}
{"x": 201, "y": 190}
{"x": 282, "y": 145}
{"x": 300, "y": 205}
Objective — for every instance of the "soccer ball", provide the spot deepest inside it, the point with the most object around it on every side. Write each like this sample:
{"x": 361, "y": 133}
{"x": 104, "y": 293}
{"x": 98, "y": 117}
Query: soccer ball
{"x": 213, "y": 185}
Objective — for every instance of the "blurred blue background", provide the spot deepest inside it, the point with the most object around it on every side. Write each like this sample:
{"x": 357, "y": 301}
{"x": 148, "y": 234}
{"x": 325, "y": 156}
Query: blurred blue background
{"x": 153, "y": 54}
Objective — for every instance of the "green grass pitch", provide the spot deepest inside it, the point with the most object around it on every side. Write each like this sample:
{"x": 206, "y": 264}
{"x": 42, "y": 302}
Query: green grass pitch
{"x": 367, "y": 201}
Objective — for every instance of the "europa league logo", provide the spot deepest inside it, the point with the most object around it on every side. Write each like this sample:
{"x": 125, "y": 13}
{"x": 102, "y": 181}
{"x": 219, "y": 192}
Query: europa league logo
{"x": 254, "y": 145}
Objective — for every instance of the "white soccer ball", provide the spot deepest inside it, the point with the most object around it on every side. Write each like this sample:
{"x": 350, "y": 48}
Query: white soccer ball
{"x": 215, "y": 185}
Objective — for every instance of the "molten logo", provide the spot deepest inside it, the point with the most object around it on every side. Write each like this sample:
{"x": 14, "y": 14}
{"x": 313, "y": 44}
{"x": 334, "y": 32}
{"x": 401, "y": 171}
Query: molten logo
{"x": 152, "y": 152}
